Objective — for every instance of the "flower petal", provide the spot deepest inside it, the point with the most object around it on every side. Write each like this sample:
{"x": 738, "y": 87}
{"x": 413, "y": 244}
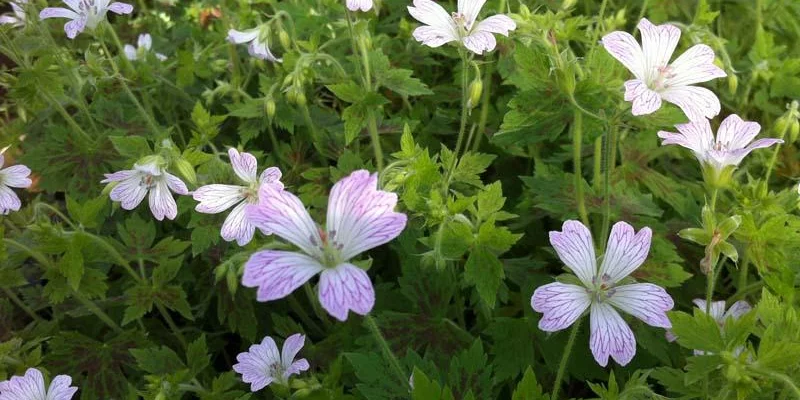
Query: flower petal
{"x": 217, "y": 198}
{"x": 344, "y": 288}
{"x": 283, "y": 214}
{"x": 242, "y": 36}
{"x": 129, "y": 191}
{"x": 60, "y": 388}
{"x": 735, "y": 157}
{"x": 254, "y": 365}
{"x": 658, "y": 44}
{"x": 237, "y": 227}
{"x": 470, "y": 10}
{"x": 296, "y": 368}
{"x": 291, "y": 347}
{"x": 162, "y": 204}
{"x": 500, "y": 24}
{"x": 738, "y": 309}
{"x": 735, "y": 133}
{"x": 360, "y": 216}
{"x": 610, "y": 336}
{"x": 145, "y": 41}
{"x": 130, "y": 52}
{"x": 244, "y": 165}
{"x": 261, "y": 51}
{"x": 120, "y": 8}
{"x": 432, "y": 36}
{"x": 623, "y": 47}
{"x": 694, "y": 66}
{"x": 695, "y": 136}
{"x": 271, "y": 175}
{"x": 278, "y": 273}
{"x": 480, "y": 42}
{"x": 74, "y": 27}
{"x": 576, "y": 250}
{"x": 362, "y": 5}
{"x": 9, "y": 201}
{"x": 645, "y": 301}
{"x": 176, "y": 184}
{"x": 16, "y": 176}
{"x": 57, "y": 12}
{"x": 431, "y": 13}
{"x": 645, "y": 101}
{"x": 29, "y": 386}
{"x": 561, "y": 304}
{"x": 625, "y": 252}
{"x": 7, "y": 19}
{"x": 696, "y": 102}
{"x": 717, "y": 308}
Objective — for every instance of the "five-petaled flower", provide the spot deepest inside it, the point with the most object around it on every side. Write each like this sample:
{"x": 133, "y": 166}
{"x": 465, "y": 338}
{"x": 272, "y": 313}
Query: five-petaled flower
{"x": 734, "y": 140}
{"x": 441, "y": 27}
{"x": 14, "y": 176}
{"x": 720, "y": 315}
{"x": 359, "y": 218}
{"x": 257, "y": 37}
{"x": 359, "y": 5}
{"x": 658, "y": 80}
{"x": 84, "y": 13}
{"x": 218, "y": 198}
{"x": 262, "y": 364}
{"x": 562, "y": 304}
{"x": 144, "y": 43}
{"x": 135, "y": 183}
{"x": 31, "y": 387}
{"x": 19, "y": 18}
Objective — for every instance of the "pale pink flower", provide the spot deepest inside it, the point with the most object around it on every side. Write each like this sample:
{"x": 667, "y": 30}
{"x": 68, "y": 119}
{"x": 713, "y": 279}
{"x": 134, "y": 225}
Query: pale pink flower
{"x": 217, "y": 198}
{"x": 601, "y": 293}
{"x": 360, "y": 217}
{"x": 84, "y": 14}
{"x": 359, "y": 5}
{"x": 258, "y": 43}
{"x": 32, "y": 387}
{"x": 658, "y": 80}
{"x": 720, "y": 315}
{"x": 18, "y": 18}
{"x": 144, "y": 43}
{"x": 15, "y": 176}
{"x": 262, "y": 365}
{"x": 441, "y": 27}
{"x": 734, "y": 140}
{"x": 134, "y": 184}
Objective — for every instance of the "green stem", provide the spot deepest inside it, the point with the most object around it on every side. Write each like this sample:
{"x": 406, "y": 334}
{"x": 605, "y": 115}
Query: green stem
{"x": 172, "y": 326}
{"x": 97, "y": 311}
{"x": 743, "y": 270}
{"x": 711, "y": 279}
{"x": 464, "y": 114}
{"x": 56, "y": 212}
{"x": 774, "y": 159}
{"x": 372, "y": 126}
{"x": 714, "y": 194}
{"x": 298, "y": 309}
{"x": 16, "y": 300}
{"x": 315, "y": 139}
{"x": 562, "y": 366}
{"x": 313, "y": 300}
{"x": 777, "y": 376}
{"x": 610, "y": 154}
{"x": 114, "y": 253}
{"x": 61, "y": 110}
{"x": 385, "y": 349}
{"x": 577, "y": 142}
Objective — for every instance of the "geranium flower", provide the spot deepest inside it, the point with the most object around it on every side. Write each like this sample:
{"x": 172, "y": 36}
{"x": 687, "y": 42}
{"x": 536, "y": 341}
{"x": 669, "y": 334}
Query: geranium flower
{"x": 31, "y": 387}
{"x": 602, "y": 292}
{"x": 257, "y": 37}
{"x": 360, "y": 217}
{"x": 19, "y": 17}
{"x": 144, "y": 43}
{"x": 135, "y": 183}
{"x": 362, "y": 5}
{"x": 15, "y": 176}
{"x": 218, "y": 198}
{"x": 734, "y": 140}
{"x": 441, "y": 27}
{"x": 84, "y": 14}
{"x": 720, "y": 315}
{"x": 262, "y": 364}
{"x": 658, "y": 80}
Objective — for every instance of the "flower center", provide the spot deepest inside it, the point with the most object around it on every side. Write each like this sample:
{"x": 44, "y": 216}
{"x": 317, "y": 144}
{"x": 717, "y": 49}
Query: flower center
{"x": 461, "y": 22}
{"x": 275, "y": 370}
{"x": 147, "y": 181}
{"x": 331, "y": 249}
{"x": 602, "y": 289}
{"x": 664, "y": 73}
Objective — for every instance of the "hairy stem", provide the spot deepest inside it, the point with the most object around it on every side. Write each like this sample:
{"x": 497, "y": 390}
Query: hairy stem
{"x": 577, "y": 142}
{"x": 562, "y": 366}
{"x": 385, "y": 349}
{"x": 24, "y": 307}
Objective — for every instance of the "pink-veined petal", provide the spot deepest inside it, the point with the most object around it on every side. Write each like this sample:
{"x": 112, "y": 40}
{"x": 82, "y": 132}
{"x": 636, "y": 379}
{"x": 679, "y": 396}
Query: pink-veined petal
{"x": 359, "y": 5}
{"x": 254, "y": 365}
{"x": 7, "y": 19}
{"x": 696, "y": 65}
{"x": 119, "y": 176}
{"x": 499, "y": 24}
{"x": 561, "y": 304}
{"x": 162, "y": 204}
{"x": 434, "y": 36}
{"x": 360, "y": 216}
{"x": 345, "y": 288}
{"x": 610, "y": 336}
{"x": 260, "y": 50}
{"x": 644, "y": 100}
{"x": 291, "y": 347}
{"x": 244, "y": 165}
{"x": 480, "y": 42}
{"x": 29, "y": 386}
{"x": 9, "y": 201}
{"x": 296, "y": 368}
{"x": 735, "y": 157}
{"x": 735, "y": 133}
{"x": 237, "y": 227}
{"x": 717, "y": 308}
{"x": 120, "y": 8}
{"x": 470, "y": 9}
{"x": 60, "y": 388}
{"x": 217, "y": 198}
{"x": 696, "y": 102}
{"x": 625, "y": 252}
{"x": 145, "y": 41}
{"x": 239, "y": 37}
{"x": 57, "y": 12}
{"x": 271, "y": 175}
{"x": 695, "y": 136}
{"x": 623, "y": 47}
{"x": 16, "y": 176}
{"x": 576, "y": 250}
{"x": 658, "y": 44}
{"x": 645, "y": 301}
{"x": 129, "y": 191}
{"x": 130, "y": 52}
{"x": 737, "y": 309}
{"x": 176, "y": 184}
{"x": 430, "y": 13}
{"x": 278, "y": 273}
{"x": 74, "y": 27}
{"x": 283, "y": 214}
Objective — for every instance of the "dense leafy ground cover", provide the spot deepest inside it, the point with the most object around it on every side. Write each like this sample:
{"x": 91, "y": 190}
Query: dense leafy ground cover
{"x": 415, "y": 155}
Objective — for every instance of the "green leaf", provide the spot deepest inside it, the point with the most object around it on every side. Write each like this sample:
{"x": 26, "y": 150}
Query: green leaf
{"x": 139, "y": 300}
{"x": 71, "y": 266}
{"x": 197, "y": 357}
{"x": 528, "y": 388}
{"x": 167, "y": 270}
{"x": 349, "y": 92}
{"x": 426, "y": 389}
{"x": 174, "y": 298}
{"x": 485, "y": 272}
{"x": 698, "y": 367}
{"x": 157, "y": 360}
{"x": 401, "y": 82}
{"x": 470, "y": 166}
{"x": 133, "y": 147}
{"x": 490, "y": 200}
{"x": 203, "y": 237}
{"x": 512, "y": 347}
{"x": 698, "y": 332}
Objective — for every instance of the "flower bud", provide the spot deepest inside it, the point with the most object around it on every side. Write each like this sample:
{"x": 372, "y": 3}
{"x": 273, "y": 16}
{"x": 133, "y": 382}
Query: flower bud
{"x": 186, "y": 170}
{"x": 270, "y": 107}
{"x": 475, "y": 92}
{"x": 286, "y": 42}
{"x": 794, "y": 131}
{"x": 300, "y": 99}
{"x": 733, "y": 83}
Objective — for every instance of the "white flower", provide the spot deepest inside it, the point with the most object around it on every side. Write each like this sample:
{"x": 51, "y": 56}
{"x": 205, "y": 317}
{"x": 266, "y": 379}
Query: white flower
{"x": 135, "y": 183}
{"x": 362, "y": 5}
{"x": 144, "y": 44}
{"x": 257, "y": 37}
{"x": 31, "y": 387}
{"x": 19, "y": 18}
{"x": 218, "y": 198}
{"x": 441, "y": 27}
{"x": 262, "y": 364}
{"x": 658, "y": 80}
{"x": 14, "y": 176}
{"x": 84, "y": 14}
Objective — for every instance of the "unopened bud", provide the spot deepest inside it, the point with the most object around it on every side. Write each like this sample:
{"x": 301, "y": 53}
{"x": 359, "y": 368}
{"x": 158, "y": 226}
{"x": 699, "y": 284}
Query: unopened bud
{"x": 286, "y": 42}
{"x": 269, "y": 107}
{"x": 794, "y": 131}
{"x": 733, "y": 83}
{"x": 301, "y": 99}
{"x": 475, "y": 92}
{"x": 186, "y": 170}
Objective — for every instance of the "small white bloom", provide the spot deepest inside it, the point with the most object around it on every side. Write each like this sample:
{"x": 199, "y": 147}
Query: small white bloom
{"x": 15, "y": 176}
{"x": 84, "y": 14}
{"x": 31, "y": 386}
{"x": 217, "y": 198}
{"x": 19, "y": 18}
{"x": 134, "y": 185}
{"x": 359, "y": 5}
{"x": 441, "y": 28}
{"x": 144, "y": 44}
{"x": 257, "y": 37}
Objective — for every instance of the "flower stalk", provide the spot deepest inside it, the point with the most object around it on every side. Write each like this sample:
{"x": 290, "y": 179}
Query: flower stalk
{"x": 562, "y": 366}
